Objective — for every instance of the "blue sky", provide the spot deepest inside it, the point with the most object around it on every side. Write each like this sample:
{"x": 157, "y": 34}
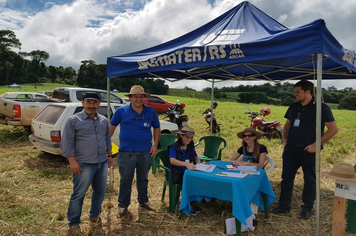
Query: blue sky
{"x": 75, "y": 30}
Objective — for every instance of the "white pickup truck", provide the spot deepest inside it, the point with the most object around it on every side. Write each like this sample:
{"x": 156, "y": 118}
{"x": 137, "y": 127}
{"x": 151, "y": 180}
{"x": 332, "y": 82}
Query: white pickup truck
{"x": 19, "y": 108}
{"x": 47, "y": 127}
{"x": 72, "y": 94}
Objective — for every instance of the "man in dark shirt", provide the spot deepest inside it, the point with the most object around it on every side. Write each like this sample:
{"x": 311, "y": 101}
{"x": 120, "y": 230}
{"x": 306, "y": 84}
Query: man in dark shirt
{"x": 86, "y": 142}
{"x": 299, "y": 138}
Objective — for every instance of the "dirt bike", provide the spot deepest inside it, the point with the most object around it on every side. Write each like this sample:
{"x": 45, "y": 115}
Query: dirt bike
{"x": 210, "y": 117}
{"x": 270, "y": 129}
{"x": 174, "y": 113}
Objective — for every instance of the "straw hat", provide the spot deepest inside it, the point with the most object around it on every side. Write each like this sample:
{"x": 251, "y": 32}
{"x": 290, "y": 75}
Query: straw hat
{"x": 249, "y": 130}
{"x": 186, "y": 130}
{"x": 137, "y": 89}
{"x": 341, "y": 171}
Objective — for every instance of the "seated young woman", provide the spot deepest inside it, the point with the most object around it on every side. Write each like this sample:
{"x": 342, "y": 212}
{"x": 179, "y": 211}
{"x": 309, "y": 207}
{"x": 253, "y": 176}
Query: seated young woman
{"x": 254, "y": 153}
{"x": 182, "y": 157}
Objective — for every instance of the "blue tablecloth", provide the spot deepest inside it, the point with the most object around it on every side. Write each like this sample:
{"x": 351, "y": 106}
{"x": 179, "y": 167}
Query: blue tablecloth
{"x": 198, "y": 185}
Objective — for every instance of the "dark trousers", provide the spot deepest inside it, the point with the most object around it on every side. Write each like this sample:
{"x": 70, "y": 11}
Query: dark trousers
{"x": 293, "y": 158}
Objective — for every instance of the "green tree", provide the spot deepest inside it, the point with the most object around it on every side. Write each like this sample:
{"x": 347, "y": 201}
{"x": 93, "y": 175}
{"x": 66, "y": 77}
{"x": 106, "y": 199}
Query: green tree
{"x": 348, "y": 102}
{"x": 8, "y": 40}
{"x": 252, "y": 97}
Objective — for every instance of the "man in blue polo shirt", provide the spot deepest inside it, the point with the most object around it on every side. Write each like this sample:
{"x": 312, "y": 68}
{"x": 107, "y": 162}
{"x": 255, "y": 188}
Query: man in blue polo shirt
{"x": 299, "y": 146}
{"x": 136, "y": 149}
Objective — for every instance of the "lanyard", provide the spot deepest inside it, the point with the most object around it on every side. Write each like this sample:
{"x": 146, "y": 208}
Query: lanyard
{"x": 300, "y": 112}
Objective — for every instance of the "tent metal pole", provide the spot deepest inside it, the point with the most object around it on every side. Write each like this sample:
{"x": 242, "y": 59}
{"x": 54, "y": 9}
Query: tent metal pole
{"x": 318, "y": 140}
{"x": 211, "y": 108}
{"x": 111, "y": 172}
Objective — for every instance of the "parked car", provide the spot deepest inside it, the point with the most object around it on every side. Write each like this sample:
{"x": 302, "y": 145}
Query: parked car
{"x": 158, "y": 103}
{"x": 19, "y": 108}
{"x": 47, "y": 127}
{"x": 23, "y": 95}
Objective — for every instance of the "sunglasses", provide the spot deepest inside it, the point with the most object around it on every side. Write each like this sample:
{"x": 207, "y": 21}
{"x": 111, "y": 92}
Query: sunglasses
{"x": 248, "y": 135}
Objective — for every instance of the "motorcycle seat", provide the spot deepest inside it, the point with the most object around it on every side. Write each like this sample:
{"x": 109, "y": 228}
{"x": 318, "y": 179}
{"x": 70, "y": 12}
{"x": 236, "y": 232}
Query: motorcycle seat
{"x": 265, "y": 123}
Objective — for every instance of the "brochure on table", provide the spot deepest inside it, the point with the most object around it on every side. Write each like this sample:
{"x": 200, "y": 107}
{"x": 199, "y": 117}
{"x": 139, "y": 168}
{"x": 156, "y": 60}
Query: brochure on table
{"x": 204, "y": 167}
{"x": 243, "y": 169}
{"x": 232, "y": 174}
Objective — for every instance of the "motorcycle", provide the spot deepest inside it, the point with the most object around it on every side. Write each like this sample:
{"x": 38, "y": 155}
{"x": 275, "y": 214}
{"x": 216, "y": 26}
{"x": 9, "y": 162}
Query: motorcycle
{"x": 270, "y": 129}
{"x": 210, "y": 117}
{"x": 174, "y": 113}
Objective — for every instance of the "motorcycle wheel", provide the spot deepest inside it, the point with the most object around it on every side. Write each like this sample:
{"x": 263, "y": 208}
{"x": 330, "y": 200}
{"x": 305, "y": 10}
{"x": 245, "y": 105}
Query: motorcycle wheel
{"x": 215, "y": 127}
{"x": 274, "y": 134}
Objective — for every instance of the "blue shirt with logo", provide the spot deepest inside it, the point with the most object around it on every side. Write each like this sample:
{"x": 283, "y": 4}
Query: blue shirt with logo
{"x": 135, "y": 129}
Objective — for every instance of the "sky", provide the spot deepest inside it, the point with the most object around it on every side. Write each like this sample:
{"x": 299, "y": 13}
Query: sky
{"x": 75, "y": 30}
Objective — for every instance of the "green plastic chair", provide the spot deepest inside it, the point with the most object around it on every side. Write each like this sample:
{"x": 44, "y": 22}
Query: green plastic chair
{"x": 212, "y": 150}
{"x": 174, "y": 189}
{"x": 164, "y": 141}
{"x": 167, "y": 139}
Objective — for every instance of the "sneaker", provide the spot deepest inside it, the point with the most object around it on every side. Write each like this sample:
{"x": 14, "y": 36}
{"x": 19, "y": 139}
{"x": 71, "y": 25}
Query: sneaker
{"x": 278, "y": 210}
{"x": 304, "y": 215}
{"x": 148, "y": 206}
{"x": 122, "y": 211}
{"x": 74, "y": 230}
{"x": 195, "y": 211}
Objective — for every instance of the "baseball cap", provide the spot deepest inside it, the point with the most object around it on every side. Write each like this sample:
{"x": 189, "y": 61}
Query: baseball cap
{"x": 92, "y": 95}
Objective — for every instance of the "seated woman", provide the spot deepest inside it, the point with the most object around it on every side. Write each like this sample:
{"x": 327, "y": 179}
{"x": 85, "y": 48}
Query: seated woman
{"x": 183, "y": 156}
{"x": 254, "y": 153}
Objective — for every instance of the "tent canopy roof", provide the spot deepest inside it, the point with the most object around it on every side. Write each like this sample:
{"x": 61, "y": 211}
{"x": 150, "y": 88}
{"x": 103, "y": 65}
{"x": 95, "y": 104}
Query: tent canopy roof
{"x": 242, "y": 44}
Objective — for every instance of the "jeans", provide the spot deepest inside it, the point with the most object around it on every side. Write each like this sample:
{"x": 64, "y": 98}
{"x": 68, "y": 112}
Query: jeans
{"x": 128, "y": 162}
{"x": 293, "y": 158}
{"x": 96, "y": 175}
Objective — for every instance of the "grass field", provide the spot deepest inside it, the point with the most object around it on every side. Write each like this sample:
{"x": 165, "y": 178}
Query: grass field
{"x": 35, "y": 187}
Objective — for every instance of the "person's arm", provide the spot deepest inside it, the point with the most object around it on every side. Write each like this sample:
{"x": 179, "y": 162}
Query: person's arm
{"x": 112, "y": 129}
{"x": 156, "y": 136}
{"x": 109, "y": 146}
{"x": 67, "y": 147}
{"x": 332, "y": 130}
{"x": 235, "y": 157}
{"x": 197, "y": 160}
{"x": 263, "y": 157}
{"x": 234, "y": 160}
{"x": 285, "y": 132}
{"x": 75, "y": 168}
{"x": 110, "y": 158}
{"x": 176, "y": 162}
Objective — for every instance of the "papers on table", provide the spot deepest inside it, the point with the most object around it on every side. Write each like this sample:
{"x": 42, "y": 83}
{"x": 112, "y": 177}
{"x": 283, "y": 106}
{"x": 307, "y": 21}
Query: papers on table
{"x": 204, "y": 167}
{"x": 232, "y": 174}
{"x": 244, "y": 169}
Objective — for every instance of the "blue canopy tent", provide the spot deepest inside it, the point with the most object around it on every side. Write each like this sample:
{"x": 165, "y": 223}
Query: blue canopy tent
{"x": 245, "y": 44}
{"x": 14, "y": 85}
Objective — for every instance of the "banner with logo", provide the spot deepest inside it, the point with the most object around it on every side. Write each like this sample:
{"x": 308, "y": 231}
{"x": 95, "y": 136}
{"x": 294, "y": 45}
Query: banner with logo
{"x": 345, "y": 189}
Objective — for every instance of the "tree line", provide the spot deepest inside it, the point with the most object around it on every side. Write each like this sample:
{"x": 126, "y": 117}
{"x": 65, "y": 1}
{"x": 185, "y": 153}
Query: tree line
{"x": 29, "y": 67}
{"x": 279, "y": 94}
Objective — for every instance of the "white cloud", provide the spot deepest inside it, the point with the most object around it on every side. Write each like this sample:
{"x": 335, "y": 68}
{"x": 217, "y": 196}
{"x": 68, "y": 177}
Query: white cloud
{"x": 96, "y": 29}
